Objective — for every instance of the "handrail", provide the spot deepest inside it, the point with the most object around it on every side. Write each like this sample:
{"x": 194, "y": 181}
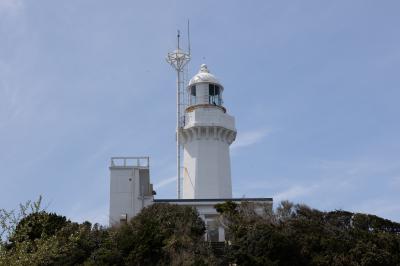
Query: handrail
{"x": 190, "y": 108}
{"x": 142, "y": 161}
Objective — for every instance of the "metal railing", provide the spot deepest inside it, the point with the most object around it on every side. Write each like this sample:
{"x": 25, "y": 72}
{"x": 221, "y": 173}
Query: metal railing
{"x": 138, "y": 161}
{"x": 205, "y": 99}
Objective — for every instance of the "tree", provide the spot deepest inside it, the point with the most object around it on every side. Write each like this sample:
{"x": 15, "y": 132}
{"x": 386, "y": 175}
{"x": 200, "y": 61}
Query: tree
{"x": 10, "y": 219}
{"x": 161, "y": 234}
{"x": 164, "y": 234}
{"x": 49, "y": 239}
{"x": 299, "y": 235}
{"x": 37, "y": 225}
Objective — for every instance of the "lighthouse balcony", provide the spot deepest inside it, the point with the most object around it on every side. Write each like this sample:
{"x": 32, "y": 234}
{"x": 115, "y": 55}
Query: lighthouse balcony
{"x": 209, "y": 117}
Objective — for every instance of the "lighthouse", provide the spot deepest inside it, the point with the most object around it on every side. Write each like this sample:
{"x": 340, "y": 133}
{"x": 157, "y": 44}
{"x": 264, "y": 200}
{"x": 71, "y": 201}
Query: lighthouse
{"x": 207, "y": 133}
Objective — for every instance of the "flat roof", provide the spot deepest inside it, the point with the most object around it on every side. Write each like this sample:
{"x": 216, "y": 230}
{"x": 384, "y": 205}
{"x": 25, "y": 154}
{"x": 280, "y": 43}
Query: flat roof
{"x": 207, "y": 200}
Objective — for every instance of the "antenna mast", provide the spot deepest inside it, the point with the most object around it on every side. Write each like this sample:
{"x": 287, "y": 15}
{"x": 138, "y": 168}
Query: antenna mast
{"x": 178, "y": 59}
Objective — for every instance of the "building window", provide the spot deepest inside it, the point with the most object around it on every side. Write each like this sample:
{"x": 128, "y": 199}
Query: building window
{"x": 123, "y": 218}
{"x": 193, "y": 95}
{"x": 214, "y": 94}
{"x": 212, "y": 231}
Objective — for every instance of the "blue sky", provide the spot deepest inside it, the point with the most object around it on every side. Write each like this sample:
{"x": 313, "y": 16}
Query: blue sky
{"x": 314, "y": 87}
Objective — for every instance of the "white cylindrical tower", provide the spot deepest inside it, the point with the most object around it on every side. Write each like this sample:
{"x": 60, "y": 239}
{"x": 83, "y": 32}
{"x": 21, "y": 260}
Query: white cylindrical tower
{"x": 206, "y": 137}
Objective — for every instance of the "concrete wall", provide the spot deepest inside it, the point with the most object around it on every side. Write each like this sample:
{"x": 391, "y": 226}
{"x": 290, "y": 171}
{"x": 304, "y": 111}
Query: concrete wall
{"x": 130, "y": 191}
{"x": 209, "y": 116}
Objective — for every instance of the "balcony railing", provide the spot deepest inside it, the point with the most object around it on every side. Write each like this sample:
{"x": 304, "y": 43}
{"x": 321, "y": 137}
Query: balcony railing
{"x": 141, "y": 161}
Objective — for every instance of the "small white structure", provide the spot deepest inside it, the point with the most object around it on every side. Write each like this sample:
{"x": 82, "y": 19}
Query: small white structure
{"x": 206, "y": 136}
{"x": 130, "y": 188}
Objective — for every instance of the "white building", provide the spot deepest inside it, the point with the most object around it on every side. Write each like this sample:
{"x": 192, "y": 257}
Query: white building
{"x": 206, "y": 136}
{"x": 130, "y": 188}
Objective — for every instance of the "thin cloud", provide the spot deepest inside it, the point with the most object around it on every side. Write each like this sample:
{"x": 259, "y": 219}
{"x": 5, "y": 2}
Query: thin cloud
{"x": 249, "y": 138}
{"x": 386, "y": 207}
{"x": 294, "y": 192}
{"x": 10, "y": 107}
{"x": 165, "y": 182}
{"x": 10, "y": 6}
{"x": 15, "y": 101}
{"x": 100, "y": 153}
{"x": 97, "y": 215}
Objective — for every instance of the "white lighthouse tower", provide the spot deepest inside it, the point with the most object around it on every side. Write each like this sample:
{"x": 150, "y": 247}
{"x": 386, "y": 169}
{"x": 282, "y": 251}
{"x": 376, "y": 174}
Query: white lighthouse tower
{"x": 206, "y": 136}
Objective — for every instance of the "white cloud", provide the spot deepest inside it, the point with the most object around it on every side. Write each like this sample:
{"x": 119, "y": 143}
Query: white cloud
{"x": 294, "y": 192}
{"x": 165, "y": 182}
{"x": 10, "y": 6}
{"x": 10, "y": 107}
{"x": 15, "y": 101}
{"x": 386, "y": 207}
{"x": 359, "y": 167}
{"x": 249, "y": 138}
{"x": 80, "y": 213}
{"x": 100, "y": 153}
{"x": 395, "y": 182}
{"x": 346, "y": 185}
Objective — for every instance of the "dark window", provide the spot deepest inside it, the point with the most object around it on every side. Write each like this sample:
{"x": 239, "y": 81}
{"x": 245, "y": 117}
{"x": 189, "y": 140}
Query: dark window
{"x": 213, "y": 90}
{"x": 193, "y": 95}
{"x": 214, "y": 94}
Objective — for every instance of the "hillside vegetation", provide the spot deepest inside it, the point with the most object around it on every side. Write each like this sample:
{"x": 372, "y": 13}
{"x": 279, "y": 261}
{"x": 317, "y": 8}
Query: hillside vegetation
{"x": 164, "y": 234}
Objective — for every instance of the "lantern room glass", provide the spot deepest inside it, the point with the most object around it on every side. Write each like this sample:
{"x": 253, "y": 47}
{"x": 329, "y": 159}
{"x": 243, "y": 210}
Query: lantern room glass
{"x": 214, "y": 94}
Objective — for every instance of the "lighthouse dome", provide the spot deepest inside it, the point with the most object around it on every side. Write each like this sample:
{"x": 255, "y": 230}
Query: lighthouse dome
{"x": 205, "y": 89}
{"x": 204, "y": 76}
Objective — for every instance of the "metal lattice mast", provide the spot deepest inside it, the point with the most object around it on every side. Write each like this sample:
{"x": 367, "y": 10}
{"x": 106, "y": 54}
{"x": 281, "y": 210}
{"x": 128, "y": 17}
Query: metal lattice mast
{"x": 178, "y": 59}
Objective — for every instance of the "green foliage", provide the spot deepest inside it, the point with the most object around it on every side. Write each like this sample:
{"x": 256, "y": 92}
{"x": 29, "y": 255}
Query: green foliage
{"x": 227, "y": 208}
{"x": 164, "y": 234}
{"x": 48, "y": 239}
{"x": 37, "y": 225}
{"x": 161, "y": 234}
{"x": 10, "y": 219}
{"x": 299, "y": 235}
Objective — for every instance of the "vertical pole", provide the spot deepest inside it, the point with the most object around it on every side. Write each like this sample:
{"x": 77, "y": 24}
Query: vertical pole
{"x": 178, "y": 59}
{"x": 178, "y": 141}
